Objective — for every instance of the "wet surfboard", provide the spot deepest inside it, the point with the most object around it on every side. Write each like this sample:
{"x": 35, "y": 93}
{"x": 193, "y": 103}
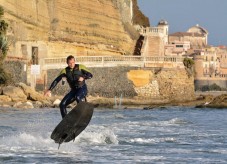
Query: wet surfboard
{"x": 73, "y": 123}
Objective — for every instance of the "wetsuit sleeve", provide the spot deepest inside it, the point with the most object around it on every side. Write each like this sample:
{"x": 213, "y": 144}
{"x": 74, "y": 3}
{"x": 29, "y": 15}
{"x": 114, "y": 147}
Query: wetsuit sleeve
{"x": 86, "y": 73}
{"x": 56, "y": 81}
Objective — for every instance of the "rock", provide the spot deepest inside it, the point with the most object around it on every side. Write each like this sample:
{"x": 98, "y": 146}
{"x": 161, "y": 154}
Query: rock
{"x": 31, "y": 93}
{"x": 17, "y": 104}
{"x": 4, "y": 98}
{"x": 6, "y": 104}
{"x": 214, "y": 102}
{"x": 26, "y": 105}
{"x": 37, "y": 104}
{"x": 16, "y": 94}
{"x": 57, "y": 102}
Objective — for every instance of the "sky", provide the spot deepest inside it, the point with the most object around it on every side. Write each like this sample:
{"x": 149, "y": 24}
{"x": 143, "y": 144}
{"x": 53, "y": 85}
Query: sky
{"x": 183, "y": 14}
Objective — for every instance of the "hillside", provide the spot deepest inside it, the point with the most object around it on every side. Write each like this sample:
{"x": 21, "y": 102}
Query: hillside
{"x": 88, "y": 27}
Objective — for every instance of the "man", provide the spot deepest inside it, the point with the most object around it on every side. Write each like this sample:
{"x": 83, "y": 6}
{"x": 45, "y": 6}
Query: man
{"x": 75, "y": 74}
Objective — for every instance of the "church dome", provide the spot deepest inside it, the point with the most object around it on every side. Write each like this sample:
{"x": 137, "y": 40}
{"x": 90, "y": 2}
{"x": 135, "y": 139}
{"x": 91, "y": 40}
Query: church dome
{"x": 198, "y": 29}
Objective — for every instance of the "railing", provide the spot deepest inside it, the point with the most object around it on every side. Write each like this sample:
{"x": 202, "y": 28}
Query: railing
{"x": 151, "y": 30}
{"x": 112, "y": 61}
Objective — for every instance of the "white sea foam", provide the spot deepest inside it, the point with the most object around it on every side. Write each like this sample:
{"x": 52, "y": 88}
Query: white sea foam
{"x": 26, "y": 141}
{"x": 100, "y": 135}
{"x": 152, "y": 140}
{"x": 143, "y": 140}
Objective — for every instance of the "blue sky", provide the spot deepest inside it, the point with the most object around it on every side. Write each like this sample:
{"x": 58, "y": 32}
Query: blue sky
{"x": 183, "y": 14}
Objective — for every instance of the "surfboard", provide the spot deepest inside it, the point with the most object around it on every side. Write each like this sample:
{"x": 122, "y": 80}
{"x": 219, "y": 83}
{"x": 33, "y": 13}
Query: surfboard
{"x": 73, "y": 123}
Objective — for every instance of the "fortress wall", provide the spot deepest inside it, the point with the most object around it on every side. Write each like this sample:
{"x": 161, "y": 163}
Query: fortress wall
{"x": 131, "y": 82}
{"x": 221, "y": 82}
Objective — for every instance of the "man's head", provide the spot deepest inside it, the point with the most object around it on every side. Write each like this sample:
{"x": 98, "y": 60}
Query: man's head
{"x": 70, "y": 61}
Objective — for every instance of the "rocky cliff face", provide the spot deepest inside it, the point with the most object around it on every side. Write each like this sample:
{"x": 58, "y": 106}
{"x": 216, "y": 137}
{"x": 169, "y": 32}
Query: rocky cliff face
{"x": 88, "y": 27}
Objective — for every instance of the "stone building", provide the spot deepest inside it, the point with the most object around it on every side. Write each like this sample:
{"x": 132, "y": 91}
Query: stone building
{"x": 177, "y": 48}
{"x": 210, "y": 67}
{"x": 155, "y": 38}
{"x": 222, "y": 58}
{"x": 196, "y": 35}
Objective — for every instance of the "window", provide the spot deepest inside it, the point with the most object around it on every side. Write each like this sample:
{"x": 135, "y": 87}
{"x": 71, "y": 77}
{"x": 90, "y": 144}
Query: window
{"x": 24, "y": 50}
{"x": 179, "y": 45}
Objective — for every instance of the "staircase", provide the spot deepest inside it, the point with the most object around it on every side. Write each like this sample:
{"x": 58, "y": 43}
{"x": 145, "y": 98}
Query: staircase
{"x": 153, "y": 46}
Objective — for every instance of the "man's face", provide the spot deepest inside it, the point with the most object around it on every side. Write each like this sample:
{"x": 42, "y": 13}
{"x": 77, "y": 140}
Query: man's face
{"x": 71, "y": 63}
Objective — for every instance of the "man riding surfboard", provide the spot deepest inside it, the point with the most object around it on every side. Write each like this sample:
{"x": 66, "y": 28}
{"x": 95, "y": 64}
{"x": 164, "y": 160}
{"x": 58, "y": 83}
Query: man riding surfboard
{"x": 75, "y": 74}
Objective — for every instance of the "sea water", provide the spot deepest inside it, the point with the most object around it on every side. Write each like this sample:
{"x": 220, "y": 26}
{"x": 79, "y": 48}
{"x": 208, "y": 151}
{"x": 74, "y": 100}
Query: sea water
{"x": 161, "y": 135}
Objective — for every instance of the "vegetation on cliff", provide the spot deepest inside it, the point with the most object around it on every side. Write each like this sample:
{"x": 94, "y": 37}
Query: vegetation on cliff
{"x": 3, "y": 46}
{"x": 189, "y": 63}
{"x": 139, "y": 17}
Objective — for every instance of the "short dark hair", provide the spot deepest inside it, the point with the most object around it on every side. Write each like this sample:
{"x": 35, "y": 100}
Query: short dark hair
{"x": 70, "y": 57}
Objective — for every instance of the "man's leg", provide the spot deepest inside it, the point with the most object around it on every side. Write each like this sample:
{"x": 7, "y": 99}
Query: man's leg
{"x": 81, "y": 93}
{"x": 69, "y": 98}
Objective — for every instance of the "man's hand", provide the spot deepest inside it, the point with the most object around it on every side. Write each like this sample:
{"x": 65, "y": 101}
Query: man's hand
{"x": 81, "y": 79}
{"x": 47, "y": 93}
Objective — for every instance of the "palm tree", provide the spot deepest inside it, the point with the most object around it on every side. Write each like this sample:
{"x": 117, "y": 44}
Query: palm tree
{"x": 3, "y": 27}
{"x": 4, "y": 45}
{"x": 3, "y": 40}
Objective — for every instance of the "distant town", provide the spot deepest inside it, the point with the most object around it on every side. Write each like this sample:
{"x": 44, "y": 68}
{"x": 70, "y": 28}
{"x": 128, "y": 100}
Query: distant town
{"x": 210, "y": 62}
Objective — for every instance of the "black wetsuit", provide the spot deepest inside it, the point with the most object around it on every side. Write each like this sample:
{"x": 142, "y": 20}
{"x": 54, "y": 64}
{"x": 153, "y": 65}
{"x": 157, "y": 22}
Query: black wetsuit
{"x": 78, "y": 89}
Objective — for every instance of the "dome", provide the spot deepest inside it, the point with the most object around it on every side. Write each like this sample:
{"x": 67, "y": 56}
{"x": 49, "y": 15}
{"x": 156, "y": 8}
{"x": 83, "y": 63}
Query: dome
{"x": 198, "y": 29}
{"x": 162, "y": 22}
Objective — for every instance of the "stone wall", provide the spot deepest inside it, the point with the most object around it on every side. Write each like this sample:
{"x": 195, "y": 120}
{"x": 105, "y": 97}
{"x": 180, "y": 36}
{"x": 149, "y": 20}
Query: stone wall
{"x": 171, "y": 85}
{"x": 130, "y": 82}
{"x": 16, "y": 71}
{"x": 200, "y": 83}
{"x": 107, "y": 82}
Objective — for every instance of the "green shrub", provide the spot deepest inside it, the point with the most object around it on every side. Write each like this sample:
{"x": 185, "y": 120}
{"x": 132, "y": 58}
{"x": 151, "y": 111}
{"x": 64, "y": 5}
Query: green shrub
{"x": 4, "y": 77}
{"x": 188, "y": 63}
{"x": 4, "y": 47}
{"x": 213, "y": 87}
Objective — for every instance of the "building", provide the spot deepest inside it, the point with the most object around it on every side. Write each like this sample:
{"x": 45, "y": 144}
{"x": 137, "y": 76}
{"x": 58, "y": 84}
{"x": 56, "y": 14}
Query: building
{"x": 177, "y": 48}
{"x": 155, "y": 38}
{"x": 196, "y": 35}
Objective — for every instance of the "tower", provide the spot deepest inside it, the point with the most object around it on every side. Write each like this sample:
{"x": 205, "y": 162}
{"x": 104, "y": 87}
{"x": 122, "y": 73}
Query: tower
{"x": 198, "y": 59}
{"x": 163, "y": 24}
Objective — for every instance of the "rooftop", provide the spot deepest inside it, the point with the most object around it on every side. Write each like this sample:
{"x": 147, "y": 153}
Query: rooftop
{"x": 186, "y": 34}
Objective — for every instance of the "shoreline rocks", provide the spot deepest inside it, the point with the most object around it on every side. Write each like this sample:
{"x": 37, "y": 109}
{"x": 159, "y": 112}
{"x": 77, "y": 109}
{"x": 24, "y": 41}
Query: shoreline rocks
{"x": 24, "y": 97}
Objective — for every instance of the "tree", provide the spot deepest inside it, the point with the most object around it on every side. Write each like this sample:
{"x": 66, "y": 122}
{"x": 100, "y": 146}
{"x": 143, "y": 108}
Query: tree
{"x": 188, "y": 63}
{"x": 4, "y": 46}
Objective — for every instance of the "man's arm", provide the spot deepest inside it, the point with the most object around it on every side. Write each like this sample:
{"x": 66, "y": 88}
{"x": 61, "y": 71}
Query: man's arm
{"x": 55, "y": 82}
{"x": 86, "y": 73}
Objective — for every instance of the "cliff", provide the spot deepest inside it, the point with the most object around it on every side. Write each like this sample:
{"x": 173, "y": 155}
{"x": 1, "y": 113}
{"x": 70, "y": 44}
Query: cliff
{"x": 88, "y": 27}
{"x": 138, "y": 16}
